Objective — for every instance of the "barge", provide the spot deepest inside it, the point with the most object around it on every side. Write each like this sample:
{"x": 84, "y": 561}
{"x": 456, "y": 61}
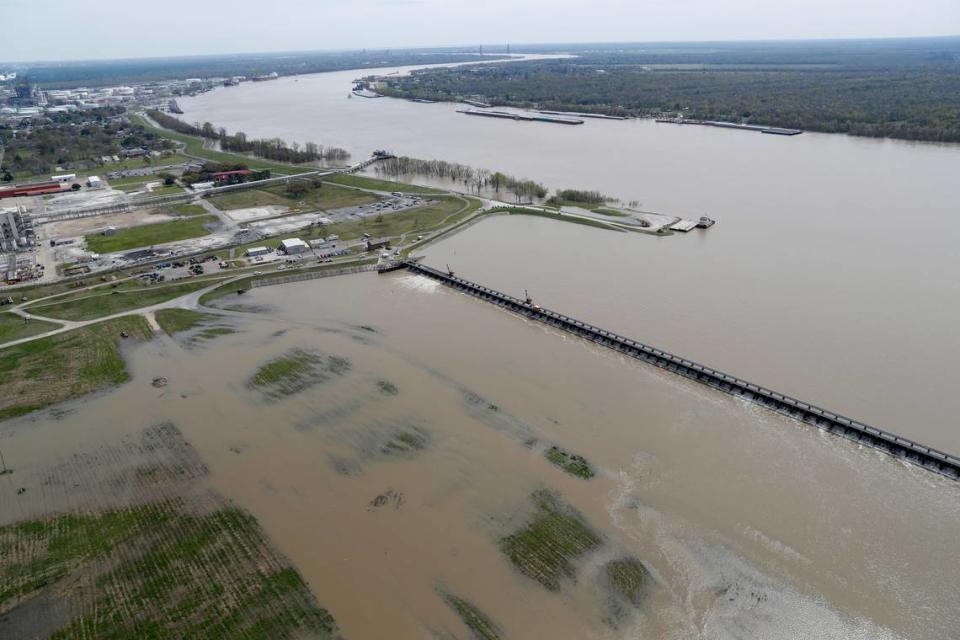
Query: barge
{"x": 526, "y": 117}
{"x": 777, "y": 131}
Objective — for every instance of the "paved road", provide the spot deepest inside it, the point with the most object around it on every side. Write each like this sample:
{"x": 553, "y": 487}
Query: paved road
{"x": 188, "y": 301}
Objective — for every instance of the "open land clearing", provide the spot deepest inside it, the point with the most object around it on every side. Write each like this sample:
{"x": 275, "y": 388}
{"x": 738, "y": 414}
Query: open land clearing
{"x": 83, "y": 226}
{"x": 151, "y": 234}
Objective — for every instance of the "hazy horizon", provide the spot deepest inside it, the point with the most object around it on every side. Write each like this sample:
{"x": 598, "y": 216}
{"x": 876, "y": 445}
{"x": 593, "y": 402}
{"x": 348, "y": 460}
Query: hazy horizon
{"x": 116, "y": 29}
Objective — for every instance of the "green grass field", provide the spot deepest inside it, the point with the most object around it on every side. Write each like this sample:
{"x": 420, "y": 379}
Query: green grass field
{"x": 42, "y": 372}
{"x": 150, "y": 234}
{"x": 327, "y": 197}
{"x": 109, "y": 302}
{"x": 12, "y": 327}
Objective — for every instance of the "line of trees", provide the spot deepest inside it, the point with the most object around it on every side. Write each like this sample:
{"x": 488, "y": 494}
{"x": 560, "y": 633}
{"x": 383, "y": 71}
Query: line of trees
{"x": 474, "y": 179}
{"x": 268, "y": 148}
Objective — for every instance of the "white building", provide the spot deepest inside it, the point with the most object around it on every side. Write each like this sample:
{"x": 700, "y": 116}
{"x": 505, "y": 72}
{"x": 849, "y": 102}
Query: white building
{"x": 94, "y": 182}
{"x": 253, "y": 252}
{"x": 66, "y": 177}
{"x": 294, "y": 246}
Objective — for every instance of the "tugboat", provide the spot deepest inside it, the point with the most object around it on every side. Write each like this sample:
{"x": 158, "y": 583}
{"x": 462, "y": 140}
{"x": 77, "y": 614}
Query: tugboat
{"x": 705, "y": 222}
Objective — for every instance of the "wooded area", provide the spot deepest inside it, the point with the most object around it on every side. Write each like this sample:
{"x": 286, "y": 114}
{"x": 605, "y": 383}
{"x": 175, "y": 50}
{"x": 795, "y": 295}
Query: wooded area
{"x": 73, "y": 140}
{"x": 906, "y": 89}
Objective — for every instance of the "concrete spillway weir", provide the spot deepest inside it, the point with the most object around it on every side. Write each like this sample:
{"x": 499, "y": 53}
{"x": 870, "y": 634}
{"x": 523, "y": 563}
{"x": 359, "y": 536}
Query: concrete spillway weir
{"x": 897, "y": 446}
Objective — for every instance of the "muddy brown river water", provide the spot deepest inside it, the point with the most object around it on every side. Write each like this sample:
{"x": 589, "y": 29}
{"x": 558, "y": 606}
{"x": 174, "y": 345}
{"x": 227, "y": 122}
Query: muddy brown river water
{"x": 829, "y": 276}
{"x": 752, "y": 525}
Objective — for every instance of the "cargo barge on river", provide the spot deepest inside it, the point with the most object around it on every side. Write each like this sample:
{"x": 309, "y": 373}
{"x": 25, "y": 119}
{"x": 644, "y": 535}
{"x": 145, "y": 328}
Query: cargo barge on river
{"x": 777, "y": 131}
{"x": 523, "y": 116}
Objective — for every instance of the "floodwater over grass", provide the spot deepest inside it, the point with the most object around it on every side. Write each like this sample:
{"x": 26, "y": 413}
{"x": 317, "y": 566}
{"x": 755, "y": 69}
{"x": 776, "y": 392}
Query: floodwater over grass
{"x": 419, "y": 458}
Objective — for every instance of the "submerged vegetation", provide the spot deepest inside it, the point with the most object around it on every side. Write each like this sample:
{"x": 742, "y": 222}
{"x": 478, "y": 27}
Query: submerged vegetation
{"x": 546, "y": 548}
{"x": 174, "y": 321}
{"x": 569, "y": 462}
{"x": 628, "y": 578}
{"x": 481, "y": 627}
{"x": 295, "y": 371}
{"x": 626, "y": 581}
{"x": 157, "y": 570}
{"x": 68, "y": 365}
{"x": 471, "y": 178}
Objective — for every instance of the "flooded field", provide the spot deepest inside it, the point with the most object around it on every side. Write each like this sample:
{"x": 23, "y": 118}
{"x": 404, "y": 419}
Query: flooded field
{"x": 435, "y": 467}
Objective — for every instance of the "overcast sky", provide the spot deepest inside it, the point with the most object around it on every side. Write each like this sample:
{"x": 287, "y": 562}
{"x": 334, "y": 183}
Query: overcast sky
{"x": 70, "y": 30}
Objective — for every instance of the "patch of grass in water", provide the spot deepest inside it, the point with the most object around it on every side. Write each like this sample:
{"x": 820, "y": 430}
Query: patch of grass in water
{"x": 387, "y": 388}
{"x": 628, "y": 578}
{"x": 295, "y": 371}
{"x": 546, "y": 548}
{"x": 174, "y": 321}
{"x": 160, "y": 571}
{"x": 481, "y": 627}
{"x": 626, "y": 582}
{"x": 571, "y": 463}
{"x": 406, "y": 440}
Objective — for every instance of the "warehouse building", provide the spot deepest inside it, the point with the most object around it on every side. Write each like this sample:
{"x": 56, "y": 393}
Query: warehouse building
{"x": 294, "y": 246}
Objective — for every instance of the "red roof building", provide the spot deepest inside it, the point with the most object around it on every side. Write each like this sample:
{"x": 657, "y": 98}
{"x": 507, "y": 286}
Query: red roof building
{"x": 33, "y": 189}
{"x": 228, "y": 176}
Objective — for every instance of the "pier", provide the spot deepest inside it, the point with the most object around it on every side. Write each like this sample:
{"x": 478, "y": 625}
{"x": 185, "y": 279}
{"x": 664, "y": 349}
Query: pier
{"x": 915, "y": 453}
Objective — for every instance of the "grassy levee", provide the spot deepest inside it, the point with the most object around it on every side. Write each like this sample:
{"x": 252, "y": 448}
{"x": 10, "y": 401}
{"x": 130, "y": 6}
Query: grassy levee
{"x": 13, "y": 327}
{"x": 244, "y": 283}
{"x": 376, "y": 184}
{"x": 97, "y": 305}
{"x": 42, "y": 372}
{"x": 194, "y": 147}
{"x": 150, "y": 234}
{"x": 526, "y": 211}
{"x": 326, "y": 197}
{"x": 158, "y": 570}
{"x": 546, "y": 548}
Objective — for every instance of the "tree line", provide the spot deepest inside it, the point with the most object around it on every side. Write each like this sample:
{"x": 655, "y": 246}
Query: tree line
{"x": 474, "y": 179}
{"x": 268, "y": 148}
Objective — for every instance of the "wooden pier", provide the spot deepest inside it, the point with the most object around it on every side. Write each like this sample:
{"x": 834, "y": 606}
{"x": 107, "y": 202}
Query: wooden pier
{"x": 926, "y": 457}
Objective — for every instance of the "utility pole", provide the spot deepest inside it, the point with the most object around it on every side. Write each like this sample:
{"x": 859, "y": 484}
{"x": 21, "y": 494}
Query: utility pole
{"x": 4, "y": 471}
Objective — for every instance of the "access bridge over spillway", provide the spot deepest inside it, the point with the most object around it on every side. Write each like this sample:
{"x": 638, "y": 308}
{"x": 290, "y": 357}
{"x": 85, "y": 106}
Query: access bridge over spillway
{"x": 897, "y": 446}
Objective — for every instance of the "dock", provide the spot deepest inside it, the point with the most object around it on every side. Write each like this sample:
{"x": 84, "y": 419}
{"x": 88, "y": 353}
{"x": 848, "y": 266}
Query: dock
{"x": 526, "y": 117}
{"x": 684, "y": 225}
{"x": 897, "y": 446}
{"x": 777, "y": 131}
